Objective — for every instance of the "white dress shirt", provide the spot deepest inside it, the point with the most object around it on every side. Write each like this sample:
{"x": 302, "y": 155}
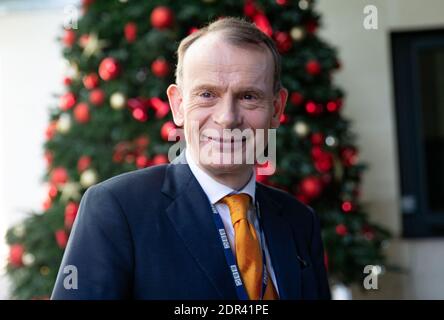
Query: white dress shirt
{"x": 215, "y": 191}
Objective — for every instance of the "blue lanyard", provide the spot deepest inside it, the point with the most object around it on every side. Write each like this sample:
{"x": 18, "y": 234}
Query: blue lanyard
{"x": 229, "y": 257}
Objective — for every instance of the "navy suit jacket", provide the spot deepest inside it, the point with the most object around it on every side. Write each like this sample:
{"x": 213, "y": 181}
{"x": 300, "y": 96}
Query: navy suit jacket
{"x": 150, "y": 234}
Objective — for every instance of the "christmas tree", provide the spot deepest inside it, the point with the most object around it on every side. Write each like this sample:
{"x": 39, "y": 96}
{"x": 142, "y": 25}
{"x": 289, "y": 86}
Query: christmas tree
{"x": 114, "y": 117}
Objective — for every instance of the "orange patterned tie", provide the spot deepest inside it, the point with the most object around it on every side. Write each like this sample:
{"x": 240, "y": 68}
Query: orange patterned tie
{"x": 248, "y": 251}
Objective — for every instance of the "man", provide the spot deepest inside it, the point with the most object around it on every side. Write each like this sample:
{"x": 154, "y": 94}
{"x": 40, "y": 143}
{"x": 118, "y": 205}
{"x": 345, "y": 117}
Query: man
{"x": 202, "y": 228}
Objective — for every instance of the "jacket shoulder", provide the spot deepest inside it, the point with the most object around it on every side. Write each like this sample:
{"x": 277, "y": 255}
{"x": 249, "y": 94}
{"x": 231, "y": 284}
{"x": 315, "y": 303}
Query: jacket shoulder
{"x": 134, "y": 182}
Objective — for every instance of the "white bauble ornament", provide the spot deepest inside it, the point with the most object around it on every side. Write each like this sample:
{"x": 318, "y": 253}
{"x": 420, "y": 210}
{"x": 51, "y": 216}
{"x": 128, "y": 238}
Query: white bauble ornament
{"x": 301, "y": 129}
{"x": 64, "y": 123}
{"x": 117, "y": 100}
{"x": 88, "y": 178}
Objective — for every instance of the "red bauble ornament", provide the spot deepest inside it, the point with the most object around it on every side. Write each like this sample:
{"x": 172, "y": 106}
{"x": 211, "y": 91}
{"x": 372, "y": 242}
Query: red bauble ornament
{"x": 323, "y": 163}
{"x": 296, "y": 98}
{"x": 142, "y": 161}
{"x": 51, "y": 130}
{"x": 69, "y": 38}
{"x": 86, "y": 3}
{"x": 313, "y": 67}
{"x": 159, "y": 159}
{"x": 313, "y": 108}
{"x": 97, "y": 97}
{"x": 81, "y": 113}
{"x": 52, "y": 191}
{"x": 16, "y": 254}
{"x": 281, "y": 2}
{"x": 130, "y": 31}
{"x": 162, "y": 17}
{"x": 332, "y": 106}
{"x": 311, "y": 187}
{"x": 91, "y": 81}
{"x": 140, "y": 114}
{"x": 311, "y": 26}
{"x": 160, "y": 68}
{"x": 119, "y": 151}
{"x": 341, "y": 230}
{"x": 109, "y": 69}
{"x": 67, "y": 81}
{"x": 59, "y": 175}
{"x": 135, "y": 103}
{"x": 47, "y": 204}
{"x": 192, "y": 30}
{"x": 349, "y": 156}
{"x": 284, "y": 119}
{"x": 310, "y": 107}
{"x": 70, "y": 213}
{"x": 347, "y": 206}
{"x": 83, "y": 163}
{"x": 249, "y": 8}
{"x": 161, "y": 107}
{"x": 262, "y": 23}
{"x": 284, "y": 41}
{"x": 61, "y": 238}
{"x": 48, "y": 158}
{"x": 166, "y": 128}
{"x": 316, "y": 151}
{"x": 67, "y": 101}
{"x": 317, "y": 138}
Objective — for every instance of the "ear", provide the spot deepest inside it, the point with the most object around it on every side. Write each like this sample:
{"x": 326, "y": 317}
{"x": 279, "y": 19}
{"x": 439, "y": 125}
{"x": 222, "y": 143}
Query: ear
{"x": 279, "y": 103}
{"x": 175, "y": 98}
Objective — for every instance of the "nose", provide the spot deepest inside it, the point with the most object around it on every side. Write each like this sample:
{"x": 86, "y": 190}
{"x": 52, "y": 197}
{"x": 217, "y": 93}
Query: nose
{"x": 227, "y": 114}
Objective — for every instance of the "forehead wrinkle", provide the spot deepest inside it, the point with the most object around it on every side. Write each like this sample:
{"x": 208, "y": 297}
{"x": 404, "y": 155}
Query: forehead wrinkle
{"x": 219, "y": 76}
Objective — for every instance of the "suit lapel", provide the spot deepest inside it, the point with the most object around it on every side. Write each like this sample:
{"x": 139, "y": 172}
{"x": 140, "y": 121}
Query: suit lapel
{"x": 280, "y": 242}
{"x": 190, "y": 213}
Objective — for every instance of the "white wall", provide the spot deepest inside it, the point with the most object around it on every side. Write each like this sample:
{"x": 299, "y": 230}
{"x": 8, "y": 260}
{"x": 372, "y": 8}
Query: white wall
{"x": 366, "y": 77}
{"x": 30, "y": 72}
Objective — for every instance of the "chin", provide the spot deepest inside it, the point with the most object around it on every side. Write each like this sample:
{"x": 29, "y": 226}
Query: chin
{"x": 226, "y": 168}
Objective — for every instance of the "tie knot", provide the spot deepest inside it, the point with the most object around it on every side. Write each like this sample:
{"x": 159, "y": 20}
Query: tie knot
{"x": 238, "y": 205}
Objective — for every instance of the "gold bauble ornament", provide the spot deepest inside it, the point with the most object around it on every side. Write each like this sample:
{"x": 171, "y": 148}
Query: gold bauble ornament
{"x": 44, "y": 271}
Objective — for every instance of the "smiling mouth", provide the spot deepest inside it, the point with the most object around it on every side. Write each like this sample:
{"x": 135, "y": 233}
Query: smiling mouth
{"x": 220, "y": 140}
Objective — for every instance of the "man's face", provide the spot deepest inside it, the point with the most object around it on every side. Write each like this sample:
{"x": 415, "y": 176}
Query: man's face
{"x": 224, "y": 87}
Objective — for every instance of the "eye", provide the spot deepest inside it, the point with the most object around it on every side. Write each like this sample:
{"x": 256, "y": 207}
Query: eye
{"x": 206, "y": 94}
{"x": 248, "y": 96}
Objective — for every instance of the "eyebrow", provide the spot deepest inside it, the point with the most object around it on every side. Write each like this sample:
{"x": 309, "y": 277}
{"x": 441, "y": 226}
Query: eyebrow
{"x": 257, "y": 90}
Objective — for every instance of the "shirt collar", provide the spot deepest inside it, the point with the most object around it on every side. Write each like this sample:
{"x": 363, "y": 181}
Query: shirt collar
{"x": 214, "y": 189}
